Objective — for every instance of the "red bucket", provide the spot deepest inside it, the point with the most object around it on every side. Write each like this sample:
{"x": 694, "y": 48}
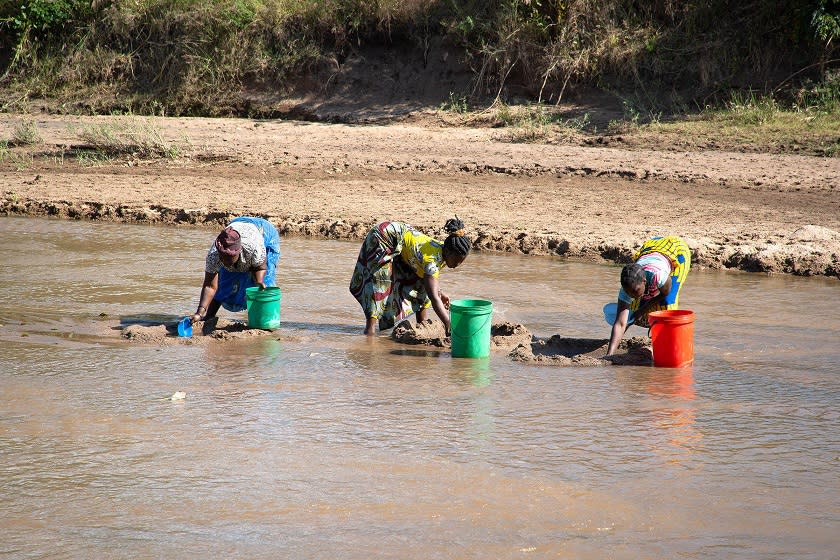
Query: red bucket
{"x": 672, "y": 334}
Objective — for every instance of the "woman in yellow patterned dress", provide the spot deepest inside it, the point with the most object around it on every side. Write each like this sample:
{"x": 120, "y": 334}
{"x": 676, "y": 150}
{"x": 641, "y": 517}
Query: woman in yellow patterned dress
{"x": 396, "y": 274}
{"x": 651, "y": 283}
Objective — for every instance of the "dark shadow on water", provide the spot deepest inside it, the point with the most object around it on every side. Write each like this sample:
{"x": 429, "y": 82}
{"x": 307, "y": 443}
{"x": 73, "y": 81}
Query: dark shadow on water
{"x": 568, "y": 347}
{"x": 323, "y": 327}
{"x": 150, "y": 319}
{"x": 418, "y": 353}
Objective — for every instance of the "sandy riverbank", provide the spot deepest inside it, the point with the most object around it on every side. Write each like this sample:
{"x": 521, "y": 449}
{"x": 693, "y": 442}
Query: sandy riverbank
{"x": 757, "y": 212}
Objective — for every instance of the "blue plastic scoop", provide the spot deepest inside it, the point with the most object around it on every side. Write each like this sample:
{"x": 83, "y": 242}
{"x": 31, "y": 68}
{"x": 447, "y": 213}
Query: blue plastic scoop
{"x": 185, "y": 327}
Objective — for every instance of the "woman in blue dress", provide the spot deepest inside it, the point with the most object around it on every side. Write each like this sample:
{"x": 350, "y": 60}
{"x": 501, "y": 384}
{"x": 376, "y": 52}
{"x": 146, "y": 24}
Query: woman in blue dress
{"x": 244, "y": 254}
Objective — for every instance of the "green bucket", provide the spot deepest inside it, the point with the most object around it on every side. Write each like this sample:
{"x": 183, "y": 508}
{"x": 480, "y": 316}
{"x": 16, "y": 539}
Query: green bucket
{"x": 471, "y": 320}
{"x": 263, "y": 307}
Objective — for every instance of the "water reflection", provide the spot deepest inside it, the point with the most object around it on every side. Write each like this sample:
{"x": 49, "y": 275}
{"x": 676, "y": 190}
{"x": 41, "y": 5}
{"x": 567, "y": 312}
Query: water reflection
{"x": 676, "y": 382}
{"x": 418, "y": 353}
{"x": 668, "y": 408}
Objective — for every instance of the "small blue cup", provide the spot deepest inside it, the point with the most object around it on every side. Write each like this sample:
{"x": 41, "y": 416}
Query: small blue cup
{"x": 185, "y": 327}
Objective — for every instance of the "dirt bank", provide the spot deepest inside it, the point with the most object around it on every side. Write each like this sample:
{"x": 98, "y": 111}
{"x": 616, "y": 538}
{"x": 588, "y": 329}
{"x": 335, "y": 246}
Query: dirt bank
{"x": 750, "y": 211}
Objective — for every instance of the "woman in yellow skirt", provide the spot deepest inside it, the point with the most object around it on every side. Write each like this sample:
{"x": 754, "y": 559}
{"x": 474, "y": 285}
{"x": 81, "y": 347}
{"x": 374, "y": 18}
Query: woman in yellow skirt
{"x": 651, "y": 283}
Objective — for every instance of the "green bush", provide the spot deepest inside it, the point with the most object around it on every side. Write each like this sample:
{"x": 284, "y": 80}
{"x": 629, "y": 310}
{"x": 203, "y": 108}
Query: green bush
{"x": 44, "y": 16}
{"x": 198, "y": 56}
{"x": 823, "y": 96}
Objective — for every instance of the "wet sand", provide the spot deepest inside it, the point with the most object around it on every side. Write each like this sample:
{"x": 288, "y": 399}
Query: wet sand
{"x": 217, "y": 329}
{"x": 747, "y": 211}
{"x": 514, "y": 340}
{"x": 561, "y": 351}
{"x": 503, "y": 336}
{"x": 520, "y": 345}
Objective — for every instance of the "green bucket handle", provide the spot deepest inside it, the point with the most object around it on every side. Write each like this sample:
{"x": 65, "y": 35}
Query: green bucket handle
{"x": 489, "y": 317}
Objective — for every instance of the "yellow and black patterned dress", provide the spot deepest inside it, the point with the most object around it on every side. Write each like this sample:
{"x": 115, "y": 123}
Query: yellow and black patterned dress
{"x": 660, "y": 258}
{"x": 388, "y": 277}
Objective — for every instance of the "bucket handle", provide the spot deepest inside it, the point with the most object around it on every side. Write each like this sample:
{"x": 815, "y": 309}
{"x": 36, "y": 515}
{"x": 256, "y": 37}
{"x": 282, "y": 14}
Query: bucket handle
{"x": 490, "y": 318}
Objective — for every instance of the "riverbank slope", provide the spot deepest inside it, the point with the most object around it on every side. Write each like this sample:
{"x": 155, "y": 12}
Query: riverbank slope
{"x": 749, "y": 211}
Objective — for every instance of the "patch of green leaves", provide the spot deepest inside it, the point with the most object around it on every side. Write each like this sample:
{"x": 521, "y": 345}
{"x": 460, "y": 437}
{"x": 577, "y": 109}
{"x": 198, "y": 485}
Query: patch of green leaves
{"x": 44, "y": 16}
{"x": 456, "y": 104}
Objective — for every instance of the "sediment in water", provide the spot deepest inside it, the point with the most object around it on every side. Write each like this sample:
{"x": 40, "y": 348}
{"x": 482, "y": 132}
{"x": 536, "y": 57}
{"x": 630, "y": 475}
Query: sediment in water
{"x": 213, "y": 329}
{"x": 503, "y": 336}
{"x": 522, "y": 346}
{"x": 511, "y": 338}
{"x": 561, "y": 351}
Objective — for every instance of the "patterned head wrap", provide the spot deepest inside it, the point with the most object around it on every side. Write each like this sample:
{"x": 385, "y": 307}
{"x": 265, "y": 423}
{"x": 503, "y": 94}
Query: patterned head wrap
{"x": 228, "y": 242}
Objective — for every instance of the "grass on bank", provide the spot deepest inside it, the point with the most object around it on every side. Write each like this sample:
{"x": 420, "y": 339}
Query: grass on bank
{"x": 123, "y": 136}
{"x": 808, "y": 123}
{"x": 128, "y": 136}
{"x": 24, "y": 133}
{"x": 214, "y": 57}
{"x": 18, "y": 160}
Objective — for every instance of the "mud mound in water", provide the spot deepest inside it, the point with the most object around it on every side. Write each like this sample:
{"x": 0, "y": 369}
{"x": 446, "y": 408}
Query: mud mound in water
{"x": 213, "y": 329}
{"x": 140, "y": 333}
{"x": 507, "y": 336}
{"x": 561, "y": 351}
{"x": 503, "y": 336}
{"x": 428, "y": 332}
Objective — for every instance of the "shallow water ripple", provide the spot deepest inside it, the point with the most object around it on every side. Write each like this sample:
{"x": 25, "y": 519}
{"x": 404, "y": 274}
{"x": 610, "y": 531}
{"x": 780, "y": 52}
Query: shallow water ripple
{"x": 319, "y": 443}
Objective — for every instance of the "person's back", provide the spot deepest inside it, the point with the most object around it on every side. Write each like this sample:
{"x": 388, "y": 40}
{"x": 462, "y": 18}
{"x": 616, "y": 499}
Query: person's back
{"x": 421, "y": 252}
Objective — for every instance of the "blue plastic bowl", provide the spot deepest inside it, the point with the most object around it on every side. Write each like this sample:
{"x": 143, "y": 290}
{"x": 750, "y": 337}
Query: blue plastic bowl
{"x": 609, "y": 314}
{"x": 185, "y": 327}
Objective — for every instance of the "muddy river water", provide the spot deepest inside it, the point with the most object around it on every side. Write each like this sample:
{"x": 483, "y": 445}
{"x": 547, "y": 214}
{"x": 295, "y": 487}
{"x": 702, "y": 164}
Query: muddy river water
{"x": 317, "y": 442}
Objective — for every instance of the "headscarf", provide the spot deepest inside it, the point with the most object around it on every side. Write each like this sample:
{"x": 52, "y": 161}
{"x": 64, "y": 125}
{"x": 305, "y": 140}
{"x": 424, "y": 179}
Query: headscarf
{"x": 228, "y": 242}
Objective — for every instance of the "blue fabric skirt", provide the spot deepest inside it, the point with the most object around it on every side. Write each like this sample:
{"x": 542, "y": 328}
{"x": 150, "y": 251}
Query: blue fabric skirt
{"x": 232, "y": 285}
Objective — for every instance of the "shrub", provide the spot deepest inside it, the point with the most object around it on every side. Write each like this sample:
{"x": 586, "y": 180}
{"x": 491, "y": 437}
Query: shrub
{"x": 25, "y": 133}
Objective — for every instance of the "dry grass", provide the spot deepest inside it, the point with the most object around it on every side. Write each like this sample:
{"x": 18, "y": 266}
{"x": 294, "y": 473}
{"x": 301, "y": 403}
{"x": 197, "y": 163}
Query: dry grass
{"x": 133, "y": 136}
{"x": 25, "y": 133}
{"x": 213, "y": 57}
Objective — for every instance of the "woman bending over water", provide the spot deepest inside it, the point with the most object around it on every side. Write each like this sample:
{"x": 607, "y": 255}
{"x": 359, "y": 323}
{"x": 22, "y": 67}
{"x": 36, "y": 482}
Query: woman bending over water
{"x": 244, "y": 254}
{"x": 651, "y": 283}
{"x": 397, "y": 273}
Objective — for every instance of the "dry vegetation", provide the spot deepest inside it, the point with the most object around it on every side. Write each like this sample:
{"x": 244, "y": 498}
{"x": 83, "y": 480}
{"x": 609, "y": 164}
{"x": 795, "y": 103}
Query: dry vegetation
{"x": 183, "y": 57}
{"x": 762, "y": 77}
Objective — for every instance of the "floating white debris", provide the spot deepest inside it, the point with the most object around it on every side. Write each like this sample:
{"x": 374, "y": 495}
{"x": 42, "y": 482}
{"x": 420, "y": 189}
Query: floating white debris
{"x": 178, "y": 396}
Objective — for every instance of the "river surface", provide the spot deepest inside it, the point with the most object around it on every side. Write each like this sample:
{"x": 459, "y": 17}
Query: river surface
{"x": 321, "y": 443}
